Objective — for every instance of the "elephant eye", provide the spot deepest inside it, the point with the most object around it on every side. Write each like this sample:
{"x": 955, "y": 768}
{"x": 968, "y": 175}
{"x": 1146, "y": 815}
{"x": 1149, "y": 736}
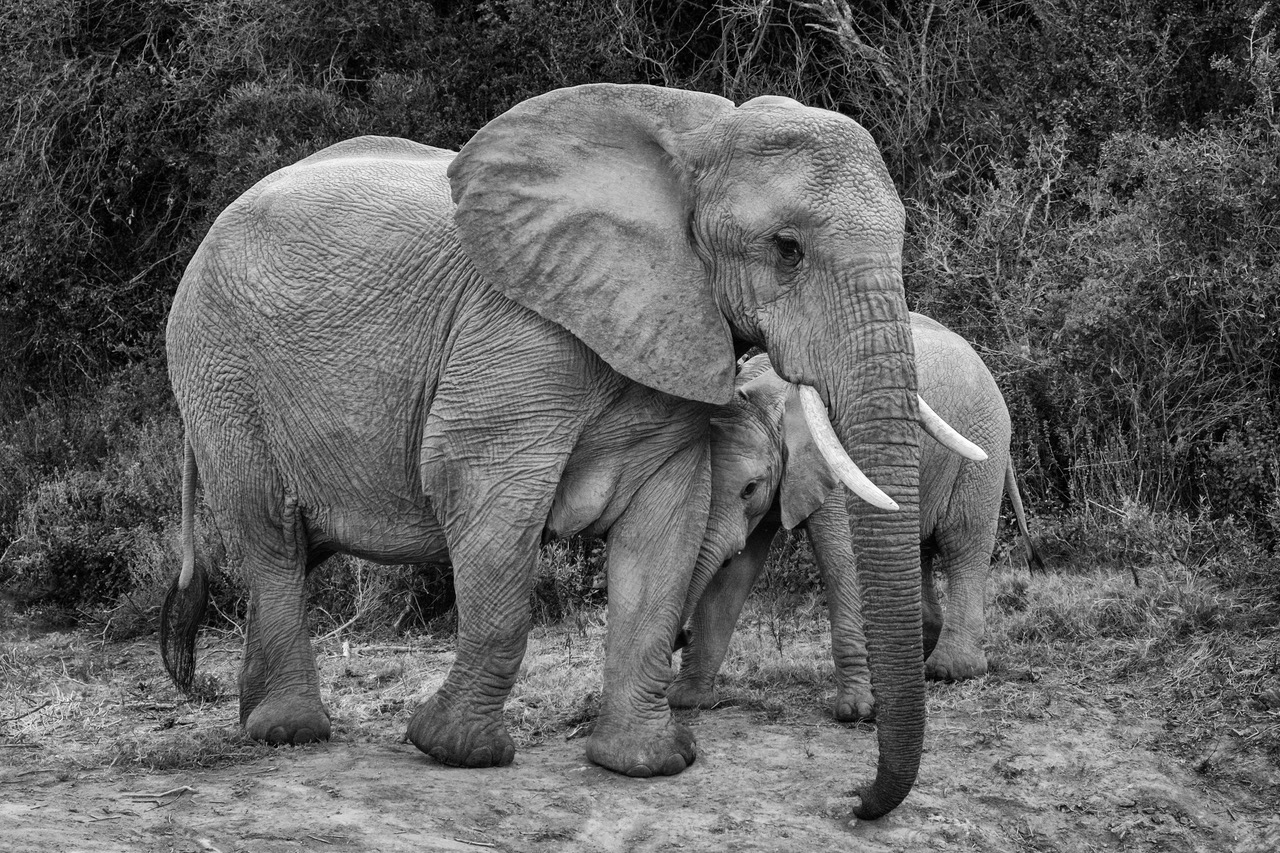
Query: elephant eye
{"x": 789, "y": 249}
{"x": 749, "y": 489}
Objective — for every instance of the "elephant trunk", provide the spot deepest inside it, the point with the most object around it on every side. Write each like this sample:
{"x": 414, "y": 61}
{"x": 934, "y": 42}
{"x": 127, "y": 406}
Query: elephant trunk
{"x": 716, "y": 550}
{"x": 868, "y": 380}
{"x": 888, "y": 555}
{"x": 883, "y": 429}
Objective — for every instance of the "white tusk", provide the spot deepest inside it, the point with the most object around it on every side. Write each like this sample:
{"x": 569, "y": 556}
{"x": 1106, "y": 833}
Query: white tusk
{"x": 946, "y": 435}
{"x": 815, "y": 412}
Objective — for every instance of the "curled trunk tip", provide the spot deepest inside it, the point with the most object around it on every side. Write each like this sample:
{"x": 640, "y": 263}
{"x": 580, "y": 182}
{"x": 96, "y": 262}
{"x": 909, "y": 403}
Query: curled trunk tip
{"x": 886, "y": 793}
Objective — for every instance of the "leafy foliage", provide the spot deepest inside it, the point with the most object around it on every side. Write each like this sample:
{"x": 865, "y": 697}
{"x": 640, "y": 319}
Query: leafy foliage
{"x": 1130, "y": 310}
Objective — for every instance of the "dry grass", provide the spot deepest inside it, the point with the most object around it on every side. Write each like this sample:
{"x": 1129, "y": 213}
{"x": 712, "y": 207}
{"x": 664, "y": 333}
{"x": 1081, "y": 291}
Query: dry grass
{"x": 1191, "y": 658}
{"x": 1196, "y": 657}
{"x": 75, "y": 701}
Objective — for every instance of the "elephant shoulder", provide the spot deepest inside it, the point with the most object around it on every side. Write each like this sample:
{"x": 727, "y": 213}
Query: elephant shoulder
{"x": 379, "y": 148}
{"x": 354, "y": 170}
{"x": 380, "y": 184}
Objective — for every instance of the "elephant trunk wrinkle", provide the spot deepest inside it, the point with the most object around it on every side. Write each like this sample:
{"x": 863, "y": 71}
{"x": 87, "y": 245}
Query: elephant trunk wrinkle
{"x": 870, "y": 386}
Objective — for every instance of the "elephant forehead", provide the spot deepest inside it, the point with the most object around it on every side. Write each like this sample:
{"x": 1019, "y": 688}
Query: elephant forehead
{"x": 813, "y": 161}
{"x": 742, "y": 448}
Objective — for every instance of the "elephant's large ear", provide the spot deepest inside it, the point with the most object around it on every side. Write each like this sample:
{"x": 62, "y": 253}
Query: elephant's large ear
{"x": 576, "y": 204}
{"x": 807, "y": 480}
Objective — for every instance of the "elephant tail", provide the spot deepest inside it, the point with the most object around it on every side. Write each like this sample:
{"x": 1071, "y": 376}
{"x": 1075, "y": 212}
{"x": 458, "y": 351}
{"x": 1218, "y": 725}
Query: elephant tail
{"x": 1015, "y": 498}
{"x": 184, "y": 605}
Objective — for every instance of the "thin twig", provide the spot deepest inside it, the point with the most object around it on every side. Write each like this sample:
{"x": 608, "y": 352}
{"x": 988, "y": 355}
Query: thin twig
{"x": 39, "y": 707}
{"x": 344, "y": 626}
{"x": 393, "y": 650}
{"x": 86, "y": 614}
{"x": 475, "y": 843}
{"x": 153, "y": 706}
{"x": 141, "y": 795}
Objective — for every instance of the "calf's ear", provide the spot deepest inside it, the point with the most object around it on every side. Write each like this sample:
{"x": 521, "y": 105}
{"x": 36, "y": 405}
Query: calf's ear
{"x": 807, "y": 480}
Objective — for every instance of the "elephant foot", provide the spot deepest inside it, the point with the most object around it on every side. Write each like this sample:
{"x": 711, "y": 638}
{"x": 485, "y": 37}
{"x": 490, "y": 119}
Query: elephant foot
{"x": 288, "y": 719}
{"x": 459, "y": 737}
{"x": 687, "y": 694}
{"x": 854, "y": 705}
{"x": 642, "y": 751}
{"x": 948, "y": 664}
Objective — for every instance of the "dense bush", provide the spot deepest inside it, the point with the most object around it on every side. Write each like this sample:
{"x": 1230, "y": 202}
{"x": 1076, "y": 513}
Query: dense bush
{"x": 1130, "y": 311}
{"x": 96, "y": 529}
{"x": 1092, "y": 192}
{"x": 132, "y": 124}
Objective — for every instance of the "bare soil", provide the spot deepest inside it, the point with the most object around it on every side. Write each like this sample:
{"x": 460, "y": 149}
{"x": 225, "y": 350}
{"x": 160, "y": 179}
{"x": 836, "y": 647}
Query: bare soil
{"x": 99, "y": 753}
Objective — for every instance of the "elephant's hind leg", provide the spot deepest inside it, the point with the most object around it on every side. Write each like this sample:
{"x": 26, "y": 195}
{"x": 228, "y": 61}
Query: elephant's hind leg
{"x": 964, "y": 545}
{"x": 279, "y": 686}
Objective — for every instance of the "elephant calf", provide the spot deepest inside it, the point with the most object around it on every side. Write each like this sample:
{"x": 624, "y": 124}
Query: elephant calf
{"x": 767, "y": 473}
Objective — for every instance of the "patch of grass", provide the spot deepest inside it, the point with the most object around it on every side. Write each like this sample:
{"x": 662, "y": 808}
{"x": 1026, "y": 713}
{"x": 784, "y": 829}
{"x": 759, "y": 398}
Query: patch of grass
{"x": 558, "y": 690}
{"x": 1175, "y": 621}
{"x": 568, "y": 573}
{"x": 186, "y": 749}
{"x": 779, "y": 662}
{"x": 351, "y": 596}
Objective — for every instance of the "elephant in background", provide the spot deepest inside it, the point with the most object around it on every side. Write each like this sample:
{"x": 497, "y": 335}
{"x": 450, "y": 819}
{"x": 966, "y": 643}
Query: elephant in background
{"x": 342, "y": 346}
{"x": 767, "y": 474}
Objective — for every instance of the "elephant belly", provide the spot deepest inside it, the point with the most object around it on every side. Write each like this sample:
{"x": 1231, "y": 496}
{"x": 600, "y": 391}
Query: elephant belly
{"x": 582, "y": 503}
{"x": 616, "y": 454}
{"x": 398, "y": 534}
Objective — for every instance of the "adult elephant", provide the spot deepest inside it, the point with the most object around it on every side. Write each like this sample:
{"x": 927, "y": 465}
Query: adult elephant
{"x": 767, "y": 473}
{"x": 395, "y": 352}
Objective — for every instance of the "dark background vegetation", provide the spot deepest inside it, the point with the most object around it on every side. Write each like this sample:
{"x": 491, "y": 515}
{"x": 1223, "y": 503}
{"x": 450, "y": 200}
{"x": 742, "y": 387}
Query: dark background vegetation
{"x": 1092, "y": 186}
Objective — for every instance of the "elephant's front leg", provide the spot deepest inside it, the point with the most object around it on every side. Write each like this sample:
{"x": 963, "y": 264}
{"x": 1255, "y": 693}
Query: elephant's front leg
{"x": 833, "y": 549}
{"x": 652, "y": 549}
{"x": 716, "y": 617}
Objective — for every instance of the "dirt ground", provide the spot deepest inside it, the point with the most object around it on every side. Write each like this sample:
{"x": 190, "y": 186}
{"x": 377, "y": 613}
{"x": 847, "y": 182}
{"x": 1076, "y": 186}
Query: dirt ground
{"x": 115, "y": 760}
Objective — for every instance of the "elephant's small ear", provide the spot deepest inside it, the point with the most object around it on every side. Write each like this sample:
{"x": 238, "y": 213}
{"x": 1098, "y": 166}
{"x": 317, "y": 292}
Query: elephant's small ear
{"x": 807, "y": 480}
{"x": 753, "y": 367}
{"x": 576, "y": 204}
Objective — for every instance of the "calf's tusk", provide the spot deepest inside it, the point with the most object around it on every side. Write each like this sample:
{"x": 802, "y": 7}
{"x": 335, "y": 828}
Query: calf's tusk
{"x": 946, "y": 435}
{"x": 815, "y": 412}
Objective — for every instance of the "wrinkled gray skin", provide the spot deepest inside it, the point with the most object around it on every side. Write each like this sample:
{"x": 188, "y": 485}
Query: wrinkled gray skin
{"x": 766, "y": 474}
{"x": 393, "y": 352}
